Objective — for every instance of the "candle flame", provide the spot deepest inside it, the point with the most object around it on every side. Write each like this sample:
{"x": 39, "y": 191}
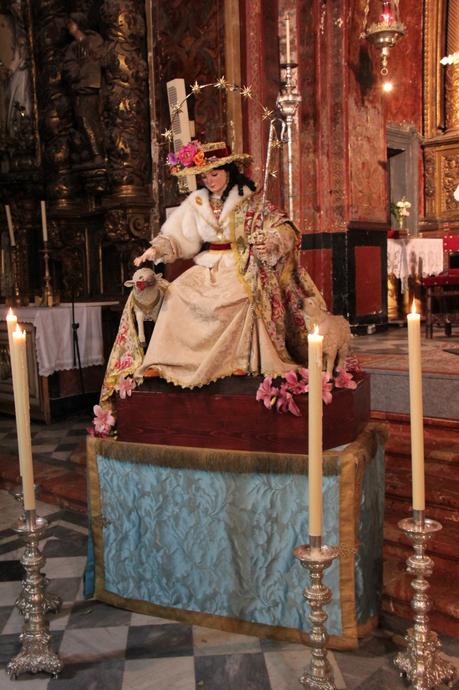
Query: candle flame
{"x": 413, "y": 307}
{"x": 10, "y": 313}
{"x": 316, "y": 330}
{"x": 17, "y": 330}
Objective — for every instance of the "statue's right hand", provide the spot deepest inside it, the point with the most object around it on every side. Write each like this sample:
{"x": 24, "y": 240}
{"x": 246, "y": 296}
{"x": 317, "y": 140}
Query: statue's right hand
{"x": 148, "y": 255}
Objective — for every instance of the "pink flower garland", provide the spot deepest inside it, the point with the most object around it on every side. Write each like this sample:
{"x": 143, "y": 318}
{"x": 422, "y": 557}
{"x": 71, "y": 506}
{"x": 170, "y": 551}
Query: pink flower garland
{"x": 296, "y": 383}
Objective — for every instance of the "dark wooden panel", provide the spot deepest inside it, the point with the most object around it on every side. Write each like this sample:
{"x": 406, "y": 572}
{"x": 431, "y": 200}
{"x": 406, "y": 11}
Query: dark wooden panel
{"x": 226, "y": 415}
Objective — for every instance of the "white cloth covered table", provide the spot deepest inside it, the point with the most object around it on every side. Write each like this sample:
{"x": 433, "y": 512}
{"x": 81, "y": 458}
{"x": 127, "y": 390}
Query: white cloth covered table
{"x": 419, "y": 256}
{"x": 54, "y": 338}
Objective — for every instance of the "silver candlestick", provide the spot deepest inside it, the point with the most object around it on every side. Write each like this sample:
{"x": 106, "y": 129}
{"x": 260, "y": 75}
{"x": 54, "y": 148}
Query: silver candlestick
{"x": 36, "y": 654}
{"x": 421, "y": 662}
{"x": 288, "y": 101}
{"x": 51, "y": 602}
{"x": 316, "y": 557}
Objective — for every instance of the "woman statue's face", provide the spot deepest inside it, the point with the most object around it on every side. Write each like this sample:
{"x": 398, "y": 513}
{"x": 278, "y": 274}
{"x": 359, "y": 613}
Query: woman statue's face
{"x": 215, "y": 180}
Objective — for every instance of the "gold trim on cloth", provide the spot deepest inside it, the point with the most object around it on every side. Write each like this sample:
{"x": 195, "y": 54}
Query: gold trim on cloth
{"x": 349, "y": 462}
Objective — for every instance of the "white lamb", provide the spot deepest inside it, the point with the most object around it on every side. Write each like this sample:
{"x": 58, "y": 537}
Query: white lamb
{"x": 336, "y": 332}
{"x": 147, "y": 295}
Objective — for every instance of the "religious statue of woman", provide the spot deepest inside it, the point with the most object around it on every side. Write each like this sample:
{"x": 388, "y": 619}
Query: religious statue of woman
{"x": 238, "y": 310}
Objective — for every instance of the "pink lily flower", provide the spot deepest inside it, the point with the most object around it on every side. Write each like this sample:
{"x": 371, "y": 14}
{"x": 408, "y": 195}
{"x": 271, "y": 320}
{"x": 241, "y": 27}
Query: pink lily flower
{"x": 125, "y": 387}
{"x": 266, "y": 392}
{"x": 103, "y": 420}
{"x": 286, "y": 403}
{"x": 304, "y": 373}
{"x": 345, "y": 380}
{"x": 327, "y": 387}
{"x": 295, "y": 385}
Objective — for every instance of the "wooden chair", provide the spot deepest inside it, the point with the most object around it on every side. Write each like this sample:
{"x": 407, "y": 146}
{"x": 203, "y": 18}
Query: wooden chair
{"x": 444, "y": 285}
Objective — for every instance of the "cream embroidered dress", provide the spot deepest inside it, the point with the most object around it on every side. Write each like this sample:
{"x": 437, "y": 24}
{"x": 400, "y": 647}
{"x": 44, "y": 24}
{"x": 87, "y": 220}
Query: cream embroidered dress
{"x": 230, "y": 313}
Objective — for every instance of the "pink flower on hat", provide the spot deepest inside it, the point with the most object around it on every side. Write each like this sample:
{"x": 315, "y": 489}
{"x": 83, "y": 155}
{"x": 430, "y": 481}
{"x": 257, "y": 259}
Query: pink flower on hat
{"x": 187, "y": 153}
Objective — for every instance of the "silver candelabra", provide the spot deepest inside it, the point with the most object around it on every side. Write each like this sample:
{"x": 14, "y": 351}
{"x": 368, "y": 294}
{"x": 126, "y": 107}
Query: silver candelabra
{"x": 421, "y": 662}
{"x": 36, "y": 654}
{"x": 288, "y": 101}
{"x": 315, "y": 558}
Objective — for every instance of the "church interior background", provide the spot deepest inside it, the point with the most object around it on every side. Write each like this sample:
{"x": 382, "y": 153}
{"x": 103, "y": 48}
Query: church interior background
{"x": 368, "y": 171}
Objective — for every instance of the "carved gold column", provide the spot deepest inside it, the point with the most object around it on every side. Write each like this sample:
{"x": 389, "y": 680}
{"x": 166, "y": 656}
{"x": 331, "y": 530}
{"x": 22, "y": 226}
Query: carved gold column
{"x": 452, "y": 71}
{"x": 55, "y": 114}
{"x": 126, "y": 97}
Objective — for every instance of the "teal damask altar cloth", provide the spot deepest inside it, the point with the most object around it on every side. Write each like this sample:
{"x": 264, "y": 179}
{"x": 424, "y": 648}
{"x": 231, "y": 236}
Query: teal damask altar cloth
{"x": 207, "y": 536}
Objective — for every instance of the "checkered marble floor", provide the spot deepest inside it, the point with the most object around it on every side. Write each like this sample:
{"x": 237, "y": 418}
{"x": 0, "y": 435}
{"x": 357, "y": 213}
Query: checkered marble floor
{"x": 104, "y": 648}
{"x": 54, "y": 442}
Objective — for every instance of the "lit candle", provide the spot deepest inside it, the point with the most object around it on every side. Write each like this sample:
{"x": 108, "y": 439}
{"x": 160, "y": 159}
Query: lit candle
{"x": 12, "y": 324}
{"x": 315, "y": 432}
{"x": 287, "y": 39}
{"x": 416, "y": 411}
{"x": 9, "y": 220}
{"x": 21, "y": 401}
{"x": 44, "y": 224}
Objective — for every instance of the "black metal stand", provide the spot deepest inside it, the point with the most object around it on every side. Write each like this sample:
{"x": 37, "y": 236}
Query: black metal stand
{"x": 76, "y": 346}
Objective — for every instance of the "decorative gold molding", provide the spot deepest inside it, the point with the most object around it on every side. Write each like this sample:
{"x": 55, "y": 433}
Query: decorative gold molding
{"x": 434, "y": 23}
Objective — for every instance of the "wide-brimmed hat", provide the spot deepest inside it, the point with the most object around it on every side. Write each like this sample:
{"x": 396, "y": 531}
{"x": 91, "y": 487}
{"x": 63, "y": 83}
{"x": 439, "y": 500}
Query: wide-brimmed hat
{"x": 196, "y": 158}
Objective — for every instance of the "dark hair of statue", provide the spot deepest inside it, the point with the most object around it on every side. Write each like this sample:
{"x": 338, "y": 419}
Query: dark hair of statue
{"x": 236, "y": 178}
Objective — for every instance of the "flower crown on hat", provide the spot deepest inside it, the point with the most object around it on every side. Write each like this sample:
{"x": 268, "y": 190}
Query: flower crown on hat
{"x": 196, "y": 158}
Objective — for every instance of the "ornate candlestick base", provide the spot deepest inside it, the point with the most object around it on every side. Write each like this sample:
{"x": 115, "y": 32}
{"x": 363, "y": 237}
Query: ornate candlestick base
{"x": 51, "y": 602}
{"x": 316, "y": 558}
{"x": 421, "y": 663}
{"x": 36, "y": 654}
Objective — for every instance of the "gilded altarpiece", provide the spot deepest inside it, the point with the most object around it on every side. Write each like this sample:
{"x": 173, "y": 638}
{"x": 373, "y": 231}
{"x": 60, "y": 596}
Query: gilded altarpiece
{"x": 441, "y": 120}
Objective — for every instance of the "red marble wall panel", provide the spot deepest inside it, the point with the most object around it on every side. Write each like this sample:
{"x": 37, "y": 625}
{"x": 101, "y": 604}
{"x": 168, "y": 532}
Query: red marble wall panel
{"x": 367, "y": 138}
{"x": 318, "y": 263}
{"x": 368, "y": 297}
{"x": 259, "y": 69}
{"x": 404, "y": 103}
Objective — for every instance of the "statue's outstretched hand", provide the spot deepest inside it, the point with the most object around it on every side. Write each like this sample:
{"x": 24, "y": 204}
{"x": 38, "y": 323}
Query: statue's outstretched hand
{"x": 148, "y": 255}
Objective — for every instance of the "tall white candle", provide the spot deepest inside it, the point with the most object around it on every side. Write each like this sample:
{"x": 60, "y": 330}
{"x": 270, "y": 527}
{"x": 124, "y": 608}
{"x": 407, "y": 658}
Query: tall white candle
{"x": 9, "y": 221}
{"x": 315, "y": 432}
{"x": 416, "y": 409}
{"x": 287, "y": 39}
{"x": 12, "y": 322}
{"x": 21, "y": 398}
{"x": 44, "y": 224}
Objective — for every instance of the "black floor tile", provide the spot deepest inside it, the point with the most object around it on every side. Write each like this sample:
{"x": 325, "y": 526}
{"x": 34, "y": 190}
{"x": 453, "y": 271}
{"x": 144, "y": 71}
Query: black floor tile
{"x": 156, "y": 641}
{"x": 11, "y": 571}
{"x": 232, "y": 672}
{"x": 106, "y": 675}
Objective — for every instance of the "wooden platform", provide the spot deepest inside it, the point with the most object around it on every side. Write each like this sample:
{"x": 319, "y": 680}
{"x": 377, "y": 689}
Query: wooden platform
{"x": 226, "y": 415}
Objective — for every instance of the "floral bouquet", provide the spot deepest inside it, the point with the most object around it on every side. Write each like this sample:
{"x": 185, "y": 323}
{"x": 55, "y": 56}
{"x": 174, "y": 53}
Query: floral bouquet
{"x": 186, "y": 157}
{"x": 400, "y": 210}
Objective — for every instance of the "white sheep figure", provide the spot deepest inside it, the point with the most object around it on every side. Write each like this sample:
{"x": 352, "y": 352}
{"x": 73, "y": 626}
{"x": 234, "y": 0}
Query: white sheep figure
{"x": 147, "y": 295}
{"x": 336, "y": 332}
